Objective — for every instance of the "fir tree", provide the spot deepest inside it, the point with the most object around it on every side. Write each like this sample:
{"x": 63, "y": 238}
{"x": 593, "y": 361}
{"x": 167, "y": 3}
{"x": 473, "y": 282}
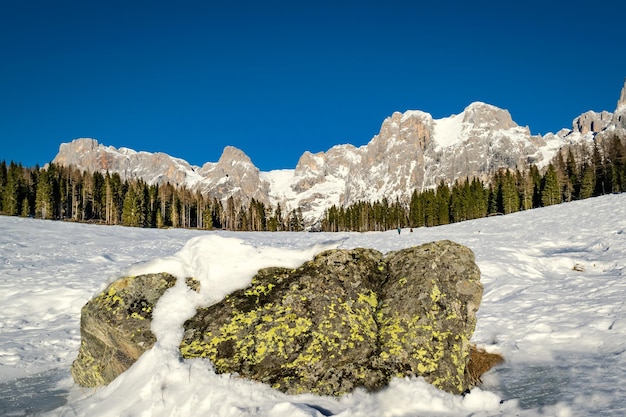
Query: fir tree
{"x": 588, "y": 182}
{"x": 551, "y": 190}
{"x": 13, "y": 195}
{"x": 509, "y": 198}
{"x": 443, "y": 203}
{"x": 3, "y": 183}
{"x": 131, "y": 209}
{"x": 44, "y": 202}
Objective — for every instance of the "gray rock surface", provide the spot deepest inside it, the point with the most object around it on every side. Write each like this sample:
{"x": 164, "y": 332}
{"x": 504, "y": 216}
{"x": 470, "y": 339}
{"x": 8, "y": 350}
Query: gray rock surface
{"x": 348, "y": 319}
{"x": 115, "y": 327}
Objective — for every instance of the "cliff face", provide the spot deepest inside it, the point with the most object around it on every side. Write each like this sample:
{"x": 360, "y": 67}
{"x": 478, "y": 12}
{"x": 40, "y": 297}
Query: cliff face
{"x": 411, "y": 151}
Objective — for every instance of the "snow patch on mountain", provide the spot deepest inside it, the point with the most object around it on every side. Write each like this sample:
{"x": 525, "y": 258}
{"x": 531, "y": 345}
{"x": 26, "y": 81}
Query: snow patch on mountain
{"x": 449, "y": 131}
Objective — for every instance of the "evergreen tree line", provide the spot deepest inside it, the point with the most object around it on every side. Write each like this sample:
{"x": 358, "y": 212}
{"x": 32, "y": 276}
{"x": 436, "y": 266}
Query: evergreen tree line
{"x": 576, "y": 173}
{"x": 65, "y": 193}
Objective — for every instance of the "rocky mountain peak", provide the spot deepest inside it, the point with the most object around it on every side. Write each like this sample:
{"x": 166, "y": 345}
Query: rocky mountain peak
{"x": 619, "y": 117}
{"x": 310, "y": 165}
{"x": 621, "y": 103}
{"x": 234, "y": 175}
{"x": 485, "y": 115}
{"x": 71, "y": 153}
{"x": 591, "y": 122}
{"x": 232, "y": 155}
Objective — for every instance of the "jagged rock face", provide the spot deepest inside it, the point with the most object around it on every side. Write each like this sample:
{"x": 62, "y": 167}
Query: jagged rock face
{"x": 115, "y": 328}
{"x": 414, "y": 151}
{"x": 157, "y": 168}
{"x": 622, "y": 97}
{"x": 347, "y": 319}
{"x": 592, "y": 122}
{"x": 393, "y": 161}
{"x": 485, "y": 116}
{"x": 234, "y": 175}
{"x": 620, "y": 118}
{"x": 618, "y": 122}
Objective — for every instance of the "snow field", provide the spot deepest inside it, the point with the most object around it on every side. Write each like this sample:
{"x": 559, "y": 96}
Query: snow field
{"x": 553, "y": 305}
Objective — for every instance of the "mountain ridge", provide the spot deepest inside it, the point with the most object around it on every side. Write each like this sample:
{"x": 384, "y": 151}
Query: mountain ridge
{"x": 411, "y": 151}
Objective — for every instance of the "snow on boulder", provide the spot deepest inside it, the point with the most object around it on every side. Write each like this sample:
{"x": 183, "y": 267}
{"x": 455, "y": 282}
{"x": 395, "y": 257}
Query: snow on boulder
{"x": 115, "y": 327}
{"x": 344, "y": 320}
{"x": 348, "y": 319}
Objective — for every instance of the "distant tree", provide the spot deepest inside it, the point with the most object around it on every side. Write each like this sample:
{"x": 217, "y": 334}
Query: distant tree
{"x": 430, "y": 208}
{"x": 572, "y": 189}
{"x": 13, "y": 194}
{"x": 536, "y": 179}
{"x": 587, "y": 182}
{"x": 551, "y": 189}
{"x": 602, "y": 183}
{"x": 616, "y": 159}
{"x": 508, "y": 195}
{"x": 44, "y": 202}
{"x": 114, "y": 198}
{"x": 131, "y": 208}
{"x": 443, "y": 203}
{"x": 525, "y": 189}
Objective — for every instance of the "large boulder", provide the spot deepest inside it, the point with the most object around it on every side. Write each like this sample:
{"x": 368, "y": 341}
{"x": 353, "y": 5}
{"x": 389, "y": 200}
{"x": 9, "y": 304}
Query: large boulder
{"x": 348, "y": 319}
{"x": 115, "y": 327}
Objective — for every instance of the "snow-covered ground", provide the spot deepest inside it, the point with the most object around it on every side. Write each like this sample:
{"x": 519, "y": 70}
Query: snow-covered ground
{"x": 553, "y": 305}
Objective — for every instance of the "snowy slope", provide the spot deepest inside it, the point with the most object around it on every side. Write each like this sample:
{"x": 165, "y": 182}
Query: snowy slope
{"x": 553, "y": 305}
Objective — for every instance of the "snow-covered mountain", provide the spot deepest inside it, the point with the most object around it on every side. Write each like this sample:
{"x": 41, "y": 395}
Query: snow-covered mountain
{"x": 411, "y": 151}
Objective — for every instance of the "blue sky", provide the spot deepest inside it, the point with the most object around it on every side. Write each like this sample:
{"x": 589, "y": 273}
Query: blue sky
{"x": 276, "y": 79}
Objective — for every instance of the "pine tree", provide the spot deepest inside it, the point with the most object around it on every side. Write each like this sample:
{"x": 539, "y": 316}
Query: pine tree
{"x": 114, "y": 198}
{"x": 443, "y": 203}
{"x": 563, "y": 178}
{"x": 551, "y": 190}
{"x": 617, "y": 161}
{"x": 3, "y": 183}
{"x": 572, "y": 190}
{"x": 536, "y": 179}
{"x": 508, "y": 194}
{"x": 98, "y": 202}
{"x": 44, "y": 201}
{"x": 459, "y": 210}
{"x": 416, "y": 210}
{"x": 131, "y": 209}
{"x": 13, "y": 191}
{"x": 588, "y": 182}
{"x": 600, "y": 174}
{"x": 430, "y": 208}
{"x": 525, "y": 189}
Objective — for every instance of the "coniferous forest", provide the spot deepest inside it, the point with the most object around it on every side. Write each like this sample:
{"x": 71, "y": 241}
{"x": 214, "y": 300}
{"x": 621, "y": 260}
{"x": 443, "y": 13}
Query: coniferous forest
{"x": 66, "y": 193}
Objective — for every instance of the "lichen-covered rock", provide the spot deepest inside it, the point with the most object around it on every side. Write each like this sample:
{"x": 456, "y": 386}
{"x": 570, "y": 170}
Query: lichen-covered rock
{"x": 427, "y": 313}
{"x": 311, "y": 329}
{"x": 115, "y": 327}
{"x": 347, "y": 319}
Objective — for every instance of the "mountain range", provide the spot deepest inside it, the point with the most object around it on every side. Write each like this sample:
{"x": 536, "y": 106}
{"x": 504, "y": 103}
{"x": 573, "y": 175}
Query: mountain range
{"x": 411, "y": 151}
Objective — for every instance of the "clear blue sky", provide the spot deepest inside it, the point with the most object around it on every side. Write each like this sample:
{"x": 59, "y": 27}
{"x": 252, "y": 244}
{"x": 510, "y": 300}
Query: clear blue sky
{"x": 276, "y": 79}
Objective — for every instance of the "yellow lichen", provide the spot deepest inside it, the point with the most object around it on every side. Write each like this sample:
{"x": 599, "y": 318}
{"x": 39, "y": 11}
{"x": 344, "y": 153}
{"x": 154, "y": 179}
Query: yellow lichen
{"x": 137, "y": 316}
